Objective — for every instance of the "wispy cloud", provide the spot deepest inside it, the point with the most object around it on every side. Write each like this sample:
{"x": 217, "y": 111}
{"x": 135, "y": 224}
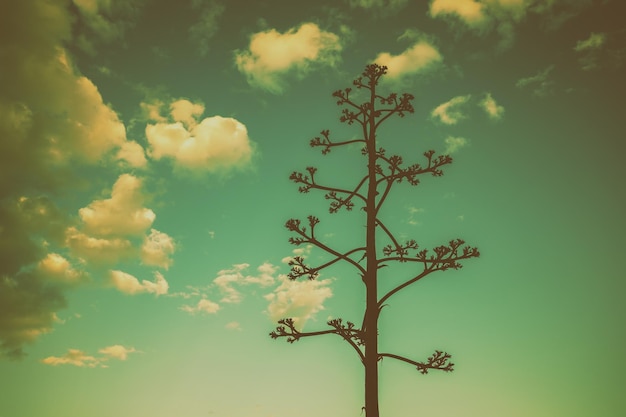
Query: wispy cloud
{"x": 493, "y": 109}
{"x": 540, "y": 83}
{"x": 590, "y": 50}
{"x": 207, "y": 25}
{"x": 203, "y": 305}
{"x": 450, "y": 112}
{"x": 79, "y": 358}
{"x": 273, "y": 56}
{"x": 453, "y": 144}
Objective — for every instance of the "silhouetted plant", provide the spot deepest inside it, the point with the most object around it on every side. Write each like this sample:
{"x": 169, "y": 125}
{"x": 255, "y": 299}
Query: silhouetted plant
{"x": 371, "y": 191}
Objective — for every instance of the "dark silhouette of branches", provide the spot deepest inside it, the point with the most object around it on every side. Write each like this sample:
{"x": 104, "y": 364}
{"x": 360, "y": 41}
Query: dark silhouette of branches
{"x": 381, "y": 173}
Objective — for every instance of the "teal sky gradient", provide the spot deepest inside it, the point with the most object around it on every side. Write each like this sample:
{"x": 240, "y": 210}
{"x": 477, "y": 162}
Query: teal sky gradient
{"x": 535, "y": 325}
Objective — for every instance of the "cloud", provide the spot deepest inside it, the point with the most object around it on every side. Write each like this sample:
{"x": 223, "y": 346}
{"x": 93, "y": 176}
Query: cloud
{"x": 215, "y": 144}
{"x": 74, "y": 357}
{"x": 227, "y": 279}
{"x": 449, "y": 112}
{"x": 272, "y": 56}
{"x": 157, "y": 248}
{"x": 489, "y": 105}
{"x": 104, "y": 21}
{"x": 382, "y": 5}
{"x": 590, "y": 50}
{"x": 128, "y": 284}
{"x": 80, "y": 359}
{"x": 33, "y": 280}
{"x": 470, "y": 12}
{"x": 207, "y": 24}
{"x": 594, "y": 41}
{"x": 203, "y": 306}
{"x": 300, "y": 300}
{"x": 420, "y": 57}
{"x": 118, "y": 352}
{"x": 484, "y": 16}
{"x": 233, "y": 325}
{"x": 120, "y": 215}
{"x": 541, "y": 83}
{"x": 58, "y": 269}
{"x": 453, "y": 144}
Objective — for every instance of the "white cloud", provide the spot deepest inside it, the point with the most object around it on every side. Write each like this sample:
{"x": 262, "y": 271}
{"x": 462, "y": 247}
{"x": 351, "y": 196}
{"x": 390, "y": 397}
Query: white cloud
{"x": 233, "y": 325}
{"x": 272, "y": 55}
{"x": 117, "y": 352}
{"x": 214, "y": 144}
{"x": 157, "y": 248}
{"x": 74, "y": 357}
{"x": 300, "y": 300}
{"x": 203, "y": 306}
{"x": 128, "y": 284}
{"x": 77, "y": 357}
{"x": 470, "y": 12}
{"x": 109, "y": 250}
{"x": 453, "y": 144}
{"x": 227, "y": 279}
{"x": 56, "y": 268}
{"x": 133, "y": 154}
{"x": 122, "y": 214}
{"x": 449, "y": 112}
{"x": 420, "y": 57}
{"x": 493, "y": 110}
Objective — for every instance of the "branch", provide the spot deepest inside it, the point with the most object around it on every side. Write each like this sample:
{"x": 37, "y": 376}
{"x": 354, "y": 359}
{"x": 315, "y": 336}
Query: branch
{"x": 439, "y": 361}
{"x": 328, "y": 144}
{"x": 338, "y": 202}
{"x": 444, "y": 257}
{"x": 297, "y": 263}
{"x": 348, "y": 332}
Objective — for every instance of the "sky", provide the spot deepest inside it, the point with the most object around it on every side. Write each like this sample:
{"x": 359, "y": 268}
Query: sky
{"x": 145, "y": 154}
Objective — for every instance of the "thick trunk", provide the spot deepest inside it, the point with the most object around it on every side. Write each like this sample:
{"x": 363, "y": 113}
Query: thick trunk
{"x": 371, "y": 316}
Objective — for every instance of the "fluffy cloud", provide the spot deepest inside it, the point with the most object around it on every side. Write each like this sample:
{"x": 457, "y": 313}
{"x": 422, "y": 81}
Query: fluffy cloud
{"x": 227, "y": 279}
{"x": 32, "y": 281}
{"x": 202, "y": 306}
{"x": 79, "y": 358}
{"x": 120, "y": 215}
{"x": 450, "y": 112}
{"x": 157, "y": 248}
{"x": 50, "y": 115}
{"x": 453, "y": 144}
{"x": 116, "y": 229}
{"x": 215, "y": 144}
{"x": 300, "y": 300}
{"x": 420, "y": 57}
{"x": 128, "y": 284}
{"x": 272, "y": 55}
{"x": 58, "y": 269}
{"x": 489, "y": 105}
